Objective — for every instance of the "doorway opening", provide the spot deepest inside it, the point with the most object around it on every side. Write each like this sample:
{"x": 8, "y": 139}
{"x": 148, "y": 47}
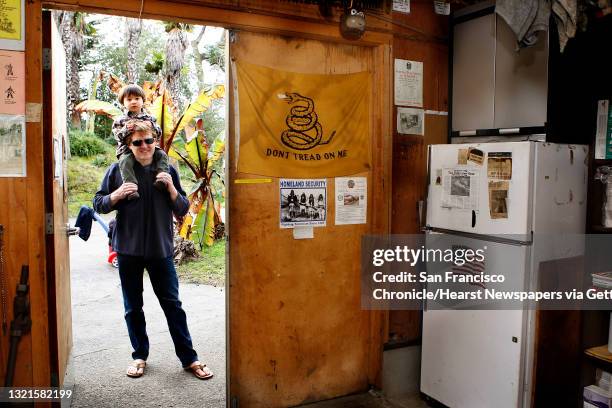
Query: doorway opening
{"x": 181, "y": 68}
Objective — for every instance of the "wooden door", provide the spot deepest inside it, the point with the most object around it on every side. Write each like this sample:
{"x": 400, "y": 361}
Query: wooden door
{"x": 56, "y": 194}
{"x": 297, "y": 333}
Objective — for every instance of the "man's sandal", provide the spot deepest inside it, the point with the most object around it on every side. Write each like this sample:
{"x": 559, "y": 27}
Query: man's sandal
{"x": 195, "y": 366}
{"x": 136, "y": 368}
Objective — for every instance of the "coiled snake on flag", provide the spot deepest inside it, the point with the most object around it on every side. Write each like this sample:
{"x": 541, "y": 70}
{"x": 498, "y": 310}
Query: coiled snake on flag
{"x": 302, "y": 119}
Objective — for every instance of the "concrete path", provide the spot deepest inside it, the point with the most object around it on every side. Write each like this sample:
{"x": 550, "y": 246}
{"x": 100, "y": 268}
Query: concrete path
{"x": 102, "y": 350}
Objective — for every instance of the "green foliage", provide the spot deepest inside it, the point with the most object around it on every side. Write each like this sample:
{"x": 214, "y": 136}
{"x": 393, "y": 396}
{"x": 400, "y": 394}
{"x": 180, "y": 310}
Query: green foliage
{"x": 103, "y": 160}
{"x": 85, "y": 144}
{"x": 214, "y": 127}
{"x": 207, "y": 270}
{"x": 171, "y": 25}
{"x": 155, "y": 62}
{"x": 83, "y": 181}
{"x": 187, "y": 178}
{"x": 215, "y": 54}
{"x": 103, "y": 129}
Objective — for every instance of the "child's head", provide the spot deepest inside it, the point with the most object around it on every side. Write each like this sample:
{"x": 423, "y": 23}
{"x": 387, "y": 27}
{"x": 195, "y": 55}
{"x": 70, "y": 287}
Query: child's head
{"x": 132, "y": 97}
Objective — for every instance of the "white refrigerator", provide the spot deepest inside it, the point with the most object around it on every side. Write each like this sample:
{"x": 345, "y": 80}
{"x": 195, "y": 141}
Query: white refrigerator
{"x": 502, "y": 196}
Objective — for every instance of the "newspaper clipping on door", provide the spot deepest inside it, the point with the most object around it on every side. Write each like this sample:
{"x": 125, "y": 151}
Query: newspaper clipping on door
{"x": 460, "y": 188}
{"x": 498, "y": 194}
{"x": 499, "y": 165}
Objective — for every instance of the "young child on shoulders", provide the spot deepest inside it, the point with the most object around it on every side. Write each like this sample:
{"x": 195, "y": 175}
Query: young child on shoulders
{"x": 132, "y": 98}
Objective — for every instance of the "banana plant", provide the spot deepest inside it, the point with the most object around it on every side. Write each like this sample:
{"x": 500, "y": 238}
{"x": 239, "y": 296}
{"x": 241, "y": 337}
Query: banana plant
{"x": 94, "y": 106}
{"x": 162, "y": 110}
{"x": 200, "y": 223}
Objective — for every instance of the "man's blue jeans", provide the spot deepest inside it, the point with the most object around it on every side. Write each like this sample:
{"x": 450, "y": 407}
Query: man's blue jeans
{"x": 165, "y": 285}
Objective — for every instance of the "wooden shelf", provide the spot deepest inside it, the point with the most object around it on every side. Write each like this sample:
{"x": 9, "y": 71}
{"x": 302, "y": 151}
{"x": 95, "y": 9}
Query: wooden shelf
{"x": 601, "y": 228}
{"x": 600, "y": 353}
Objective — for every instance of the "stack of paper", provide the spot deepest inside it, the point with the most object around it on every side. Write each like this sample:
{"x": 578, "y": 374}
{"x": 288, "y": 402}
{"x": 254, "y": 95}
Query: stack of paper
{"x": 602, "y": 280}
{"x": 603, "y": 380}
{"x": 597, "y": 396}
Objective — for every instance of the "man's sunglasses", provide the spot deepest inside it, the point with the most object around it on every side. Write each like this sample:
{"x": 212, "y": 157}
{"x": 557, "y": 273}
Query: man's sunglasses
{"x": 148, "y": 141}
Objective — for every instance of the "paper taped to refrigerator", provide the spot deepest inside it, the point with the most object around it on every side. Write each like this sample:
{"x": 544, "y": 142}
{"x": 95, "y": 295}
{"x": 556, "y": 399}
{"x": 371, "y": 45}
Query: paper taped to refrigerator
{"x": 498, "y": 195}
{"x": 462, "y": 156}
{"x": 460, "y": 188}
{"x": 499, "y": 165}
{"x": 475, "y": 156}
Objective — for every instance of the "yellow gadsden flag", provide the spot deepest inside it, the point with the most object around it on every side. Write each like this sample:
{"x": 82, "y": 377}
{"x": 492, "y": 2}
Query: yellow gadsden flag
{"x": 302, "y": 125}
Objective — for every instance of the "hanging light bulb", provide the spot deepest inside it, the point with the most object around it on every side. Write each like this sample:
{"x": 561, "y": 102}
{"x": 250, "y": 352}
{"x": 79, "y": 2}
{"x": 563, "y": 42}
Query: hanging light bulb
{"x": 352, "y": 23}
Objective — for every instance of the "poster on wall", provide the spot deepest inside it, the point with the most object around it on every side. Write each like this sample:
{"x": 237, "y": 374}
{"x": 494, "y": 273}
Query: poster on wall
{"x": 12, "y": 146}
{"x": 351, "y": 200}
{"x": 410, "y": 121}
{"x": 401, "y": 6}
{"x": 408, "y": 83}
{"x": 303, "y": 202}
{"x": 12, "y": 82}
{"x": 12, "y": 22}
{"x": 442, "y": 7}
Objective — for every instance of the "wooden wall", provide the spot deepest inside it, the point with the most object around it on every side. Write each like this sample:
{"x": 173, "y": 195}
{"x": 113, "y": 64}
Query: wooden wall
{"x": 410, "y": 152}
{"x": 22, "y": 210}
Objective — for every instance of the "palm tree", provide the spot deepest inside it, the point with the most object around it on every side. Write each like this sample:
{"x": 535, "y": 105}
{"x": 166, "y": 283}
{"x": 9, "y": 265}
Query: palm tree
{"x": 73, "y": 29}
{"x": 133, "y": 27}
{"x": 176, "y": 44}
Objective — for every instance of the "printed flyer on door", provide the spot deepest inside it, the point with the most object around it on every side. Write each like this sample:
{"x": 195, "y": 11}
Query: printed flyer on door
{"x": 303, "y": 202}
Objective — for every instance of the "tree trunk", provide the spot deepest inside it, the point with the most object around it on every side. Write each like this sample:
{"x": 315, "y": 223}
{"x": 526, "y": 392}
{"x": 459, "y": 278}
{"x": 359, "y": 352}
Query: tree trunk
{"x": 73, "y": 92}
{"x": 198, "y": 58}
{"x": 175, "y": 59}
{"x": 69, "y": 34}
{"x": 133, "y": 27}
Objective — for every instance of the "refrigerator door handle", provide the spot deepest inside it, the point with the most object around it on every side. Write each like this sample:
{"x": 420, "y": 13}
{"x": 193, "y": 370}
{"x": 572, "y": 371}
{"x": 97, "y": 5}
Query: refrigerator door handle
{"x": 420, "y": 211}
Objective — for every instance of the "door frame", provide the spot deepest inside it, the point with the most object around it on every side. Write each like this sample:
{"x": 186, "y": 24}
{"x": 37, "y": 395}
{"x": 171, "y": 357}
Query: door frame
{"x": 230, "y": 17}
{"x": 47, "y": 130}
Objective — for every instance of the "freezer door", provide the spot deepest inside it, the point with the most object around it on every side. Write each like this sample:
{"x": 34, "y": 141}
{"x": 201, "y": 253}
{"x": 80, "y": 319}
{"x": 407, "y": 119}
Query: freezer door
{"x": 473, "y": 358}
{"x": 459, "y": 198}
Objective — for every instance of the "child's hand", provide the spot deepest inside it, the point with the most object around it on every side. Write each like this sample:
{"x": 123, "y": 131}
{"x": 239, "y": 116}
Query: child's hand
{"x": 166, "y": 178}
